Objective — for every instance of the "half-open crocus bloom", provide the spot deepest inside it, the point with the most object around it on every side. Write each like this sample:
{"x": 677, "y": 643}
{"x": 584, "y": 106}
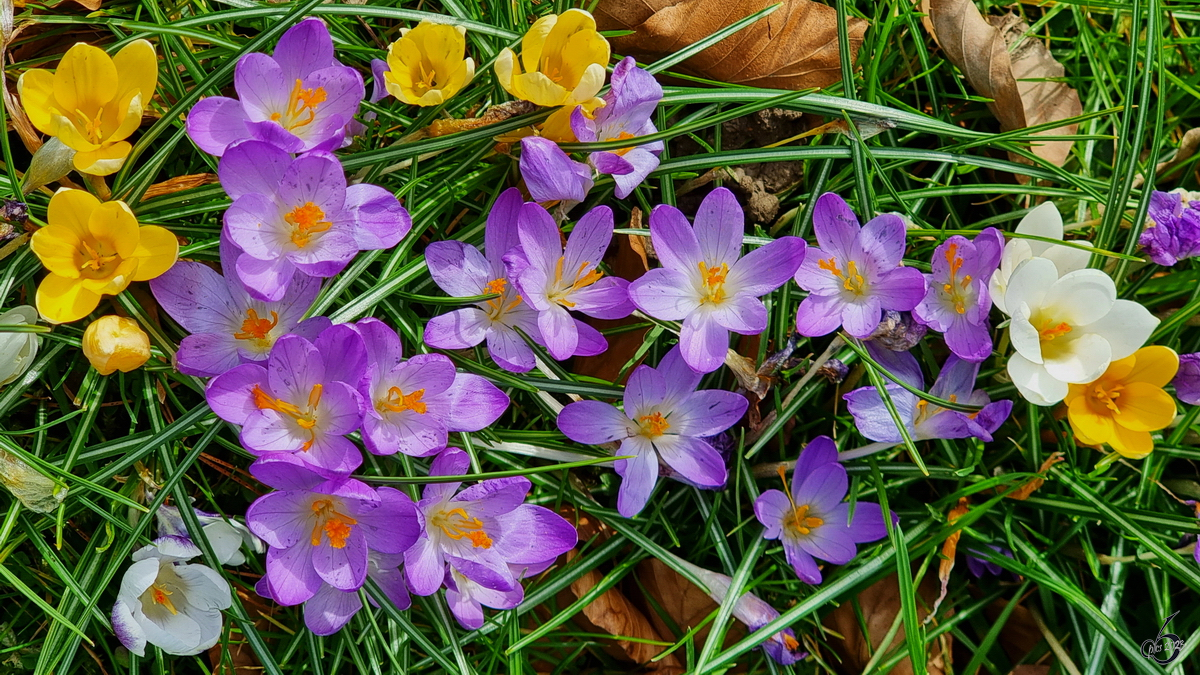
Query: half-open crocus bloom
{"x": 754, "y": 612}
{"x": 1173, "y": 233}
{"x": 17, "y": 350}
{"x": 428, "y": 64}
{"x": 113, "y": 343}
{"x": 92, "y": 250}
{"x": 321, "y": 531}
{"x": 172, "y": 605}
{"x": 228, "y": 326}
{"x": 299, "y": 100}
{"x": 1187, "y": 381}
{"x": 468, "y": 595}
{"x": 957, "y": 301}
{"x": 462, "y": 271}
{"x": 556, "y": 282}
{"x": 411, "y": 406}
{"x": 706, "y": 283}
{"x": 978, "y": 567}
{"x": 329, "y": 608}
{"x": 812, "y": 520}
{"x": 304, "y": 401}
{"x": 1044, "y": 221}
{"x": 626, "y": 113}
{"x": 225, "y": 536}
{"x": 562, "y": 61}
{"x": 1067, "y": 329}
{"x": 855, "y": 273}
{"x": 481, "y": 530}
{"x": 292, "y": 215}
{"x": 1126, "y": 403}
{"x": 925, "y": 420}
{"x": 665, "y": 419}
{"x": 554, "y": 180}
{"x": 93, "y": 102}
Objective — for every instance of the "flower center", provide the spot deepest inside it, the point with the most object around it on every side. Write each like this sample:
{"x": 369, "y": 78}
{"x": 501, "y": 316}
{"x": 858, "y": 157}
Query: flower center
{"x": 95, "y": 260}
{"x": 425, "y": 82}
{"x": 256, "y": 328}
{"x": 925, "y": 411}
{"x": 653, "y": 425}
{"x": 302, "y": 106}
{"x": 457, "y": 525}
{"x": 1051, "y": 330}
{"x": 495, "y": 307}
{"x": 306, "y": 220}
{"x": 1106, "y": 397}
{"x": 851, "y": 280}
{"x": 91, "y": 127}
{"x": 580, "y": 282}
{"x": 398, "y": 401}
{"x": 331, "y": 525}
{"x": 620, "y": 137}
{"x": 161, "y": 596}
{"x": 305, "y": 419}
{"x": 790, "y": 642}
{"x": 797, "y": 519}
{"x": 714, "y": 282}
{"x": 954, "y": 287}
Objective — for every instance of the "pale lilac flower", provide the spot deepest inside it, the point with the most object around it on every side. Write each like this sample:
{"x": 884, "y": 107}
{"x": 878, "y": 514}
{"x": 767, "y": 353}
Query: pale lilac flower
{"x": 292, "y": 215}
{"x": 329, "y": 608}
{"x": 812, "y": 520}
{"x": 626, "y": 113}
{"x": 321, "y": 530}
{"x": 1187, "y": 380}
{"x": 956, "y": 300}
{"x": 483, "y": 531}
{"x": 706, "y": 283}
{"x": 554, "y": 180}
{"x": 304, "y": 401}
{"x": 462, "y": 271}
{"x": 924, "y": 420}
{"x": 665, "y": 419}
{"x": 226, "y": 536}
{"x": 1173, "y": 233}
{"x": 855, "y": 273}
{"x": 979, "y": 567}
{"x": 468, "y": 595}
{"x": 555, "y": 281}
{"x": 411, "y": 406}
{"x": 227, "y": 325}
{"x": 300, "y": 100}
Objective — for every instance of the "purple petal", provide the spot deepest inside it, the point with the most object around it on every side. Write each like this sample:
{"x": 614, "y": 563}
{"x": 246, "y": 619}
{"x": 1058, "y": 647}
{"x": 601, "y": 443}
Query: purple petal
{"x": 678, "y": 376}
{"x": 333, "y": 454}
{"x": 703, "y": 342}
{"x": 268, "y": 431}
{"x": 559, "y": 332}
{"x": 452, "y": 462}
{"x": 252, "y": 167}
{"x": 379, "y": 221}
{"x": 495, "y": 497}
{"x": 347, "y": 354}
{"x": 956, "y": 381}
{"x": 217, "y": 122}
{"x": 868, "y": 523}
{"x": 646, "y": 388}
{"x": 457, "y": 268}
{"x": 638, "y": 476}
{"x": 593, "y": 422}
{"x": 196, "y": 297}
{"x": 813, "y": 278}
{"x": 589, "y": 239}
{"x": 771, "y": 507}
{"x": 343, "y": 568}
{"x": 744, "y": 314}
{"x": 823, "y": 488}
{"x": 900, "y": 289}
{"x": 641, "y": 164}
{"x": 674, "y": 240}
{"x": 315, "y": 179}
{"x": 871, "y": 417}
{"x": 694, "y": 459}
{"x": 860, "y": 318}
{"x": 382, "y": 345}
{"x": 285, "y": 471}
{"x": 900, "y": 365}
{"x": 664, "y": 294}
{"x": 803, "y": 563}
{"x": 532, "y": 534}
{"x": 507, "y": 349}
{"x": 768, "y": 267}
{"x": 835, "y": 225}
{"x": 207, "y": 354}
{"x": 304, "y": 48}
{"x": 392, "y": 527}
{"x": 329, "y": 609}
{"x": 591, "y": 342}
{"x": 883, "y": 240}
{"x": 291, "y": 578}
{"x": 501, "y": 233}
{"x": 819, "y": 315}
{"x": 282, "y": 519}
{"x": 230, "y": 395}
{"x": 253, "y": 223}
{"x": 408, "y": 432}
{"x": 473, "y": 403}
{"x": 819, "y": 451}
{"x": 265, "y": 280}
{"x": 541, "y": 242}
{"x": 424, "y": 567}
{"x": 550, "y": 174}
{"x": 708, "y": 412}
{"x": 294, "y": 368}
{"x": 719, "y": 228}
{"x": 261, "y": 86}
{"x": 831, "y": 542}
{"x": 460, "y": 329}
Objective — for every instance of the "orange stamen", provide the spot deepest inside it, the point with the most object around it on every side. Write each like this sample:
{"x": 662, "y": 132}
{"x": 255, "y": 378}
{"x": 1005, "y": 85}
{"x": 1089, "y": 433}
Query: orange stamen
{"x": 398, "y": 401}
{"x": 653, "y": 425}
{"x": 256, "y": 328}
{"x": 306, "y": 220}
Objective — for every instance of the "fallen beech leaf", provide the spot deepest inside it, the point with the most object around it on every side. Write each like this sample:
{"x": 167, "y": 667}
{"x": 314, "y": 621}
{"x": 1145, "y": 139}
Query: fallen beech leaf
{"x": 880, "y": 603}
{"x": 179, "y": 183}
{"x": 1014, "y": 70}
{"x": 793, "y": 48}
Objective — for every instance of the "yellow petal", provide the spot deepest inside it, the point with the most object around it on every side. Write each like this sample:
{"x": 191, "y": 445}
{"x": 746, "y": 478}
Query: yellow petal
{"x": 65, "y": 130}
{"x": 157, "y": 250}
{"x": 58, "y": 248}
{"x": 431, "y": 98}
{"x": 104, "y": 161}
{"x": 504, "y": 67}
{"x": 1118, "y": 370}
{"x": 534, "y": 41}
{"x": 121, "y": 117}
{"x": 539, "y": 90}
{"x": 1131, "y": 444}
{"x": 117, "y": 281}
{"x": 36, "y": 88}
{"x": 1156, "y": 365}
{"x": 1074, "y": 391}
{"x": 86, "y": 79}
{"x": 112, "y": 223}
{"x": 61, "y": 300}
{"x": 137, "y": 70}
{"x": 1144, "y": 407}
{"x": 1091, "y": 426}
{"x": 589, "y": 84}
{"x": 72, "y": 209}
{"x": 114, "y": 343}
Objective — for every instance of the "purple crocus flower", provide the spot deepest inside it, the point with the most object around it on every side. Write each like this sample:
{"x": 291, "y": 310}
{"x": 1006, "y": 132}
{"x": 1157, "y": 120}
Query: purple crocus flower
{"x": 468, "y": 595}
{"x": 320, "y": 530}
{"x": 462, "y": 271}
{"x": 626, "y": 113}
{"x": 412, "y": 405}
{"x": 329, "y": 608}
{"x": 555, "y": 281}
{"x": 1187, "y": 380}
{"x": 957, "y": 301}
{"x": 227, "y": 325}
{"x": 554, "y": 180}
{"x": 300, "y": 100}
{"x": 482, "y": 531}
{"x": 854, "y": 275}
{"x": 979, "y": 567}
{"x": 665, "y": 419}
{"x": 924, "y": 420}
{"x": 304, "y": 401}
{"x": 298, "y": 214}
{"x": 811, "y": 519}
{"x": 1173, "y": 233}
{"x": 705, "y": 282}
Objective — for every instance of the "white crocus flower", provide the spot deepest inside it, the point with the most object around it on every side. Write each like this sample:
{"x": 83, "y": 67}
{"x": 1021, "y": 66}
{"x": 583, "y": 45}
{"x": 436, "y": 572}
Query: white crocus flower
{"x": 17, "y": 349}
{"x": 1044, "y": 221}
{"x": 168, "y": 603}
{"x": 225, "y": 536}
{"x": 1067, "y": 328}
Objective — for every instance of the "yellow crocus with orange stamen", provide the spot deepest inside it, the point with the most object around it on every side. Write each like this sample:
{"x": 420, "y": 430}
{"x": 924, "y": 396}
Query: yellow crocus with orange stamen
{"x": 1126, "y": 403}
{"x": 93, "y": 101}
{"x": 94, "y": 249}
{"x": 428, "y": 64}
{"x": 562, "y": 62}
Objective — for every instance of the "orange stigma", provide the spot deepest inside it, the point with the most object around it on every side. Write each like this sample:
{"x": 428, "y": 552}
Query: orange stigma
{"x": 1049, "y": 332}
{"x": 580, "y": 282}
{"x": 797, "y": 520}
{"x": 398, "y": 401}
{"x": 713, "y": 279}
{"x": 305, "y": 419}
{"x": 620, "y": 137}
{"x": 256, "y": 328}
{"x": 653, "y": 425}
{"x": 331, "y": 525}
{"x": 457, "y": 525}
{"x": 306, "y": 220}
{"x": 302, "y": 106}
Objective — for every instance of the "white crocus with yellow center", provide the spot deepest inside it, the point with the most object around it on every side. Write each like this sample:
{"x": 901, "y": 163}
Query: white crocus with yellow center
{"x": 1046, "y": 222}
{"x": 1067, "y": 328}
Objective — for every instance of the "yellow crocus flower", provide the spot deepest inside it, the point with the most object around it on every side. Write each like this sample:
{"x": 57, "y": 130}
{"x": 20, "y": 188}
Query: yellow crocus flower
{"x": 1126, "y": 403}
{"x": 562, "y": 61}
{"x": 93, "y": 102}
{"x": 93, "y": 249}
{"x": 428, "y": 64}
{"x": 113, "y": 343}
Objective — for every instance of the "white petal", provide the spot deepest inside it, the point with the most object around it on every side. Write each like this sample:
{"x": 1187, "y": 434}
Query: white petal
{"x": 139, "y": 577}
{"x": 1068, "y": 259}
{"x": 1034, "y": 383}
{"x": 1016, "y": 252}
{"x": 1030, "y": 282}
{"x": 205, "y": 588}
{"x": 1044, "y": 221}
{"x": 225, "y": 540}
{"x": 1079, "y": 298}
{"x": 1126, "y": 327}
{"x": 1024, "y": 336}
{"x": 177, "y": 634}
{"x": 210, "y": 628}
{"x": 127, "y": 629}
{"x": 1078, "y": 360}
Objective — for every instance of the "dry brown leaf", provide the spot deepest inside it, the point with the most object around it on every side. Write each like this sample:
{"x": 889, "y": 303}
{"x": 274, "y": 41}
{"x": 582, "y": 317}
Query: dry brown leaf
{"x": 1022, "y": 493}
{"x": 880, "y": 604}
{"x": 949, "y": 550}
{"x": 795, "y": 47}
{"x": 179, "y": 183}
{"x": 1012, "y": 76}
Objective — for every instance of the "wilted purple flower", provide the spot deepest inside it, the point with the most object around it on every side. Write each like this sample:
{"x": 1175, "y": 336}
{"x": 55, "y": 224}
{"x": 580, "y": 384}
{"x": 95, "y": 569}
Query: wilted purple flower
{"x": 956, "y": 300}
{"x": 626, "y": 113}
{"x": 665, "y": 419}
{"x": 298, "y": 214}
{"x": 227, "y": 325}
{"x": 811, "y": 519}
{"x": 299, "y": 100}
{"x": 924, "y": 420}
{"x": 555, "y": 282}
{"x": 304, "y": 401}
{"x": 978, "y": 566}
{"x": 1173, "y": 233}
{"x": 329, "y": 608}
{"x": 320, "y": 530}
{"x": 481, "y": 531}
{"x": 705, "y": 282}
{"x": 412, "y": 405}
{"x": 1187, "y": 380}
{"x": 854, "y": 275}
{"x": 554, "y": 180}
{"x": 462, "y": 271}
{"x": 898, "y": 331}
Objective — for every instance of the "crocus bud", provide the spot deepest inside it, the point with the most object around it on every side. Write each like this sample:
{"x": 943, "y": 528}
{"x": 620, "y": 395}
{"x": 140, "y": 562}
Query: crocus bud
{"x": 17, "y": 350}
{"x": 115, "y": 343}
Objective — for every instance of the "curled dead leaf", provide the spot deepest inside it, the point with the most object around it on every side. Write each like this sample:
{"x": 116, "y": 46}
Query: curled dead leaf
{"x": 949, "y": 550}
{"x": 178, "y": 184}
{"x": 1031, "y": 486}
{"x": 880, "y": 604}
